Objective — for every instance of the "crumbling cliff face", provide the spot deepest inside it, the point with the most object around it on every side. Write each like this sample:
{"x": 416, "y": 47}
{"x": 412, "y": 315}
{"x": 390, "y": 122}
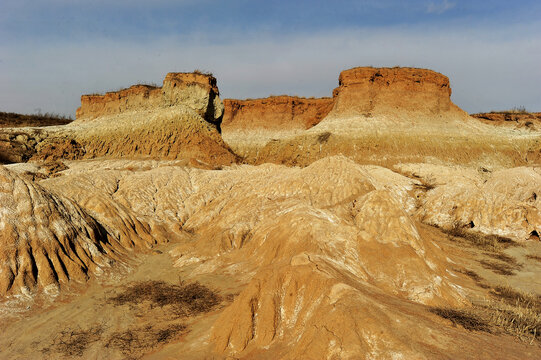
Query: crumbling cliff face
{"x": 367, "y": 90}
{"x": 180, "y": 120}
{"x": 275, "y": 113}
{"x": 253, "y": 122}
{"x": 391, "y": 115}
{"x": 197, "y": 91}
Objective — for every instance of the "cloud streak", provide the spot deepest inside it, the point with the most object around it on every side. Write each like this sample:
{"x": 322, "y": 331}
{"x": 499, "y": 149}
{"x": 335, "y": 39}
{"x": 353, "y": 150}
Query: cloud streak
{"x": 440, "y": 8}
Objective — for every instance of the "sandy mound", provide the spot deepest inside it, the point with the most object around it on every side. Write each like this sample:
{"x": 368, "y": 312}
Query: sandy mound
{"x": 45, "y": 239}
{"x": 501, "y": 202}
{"x": 250, "y": 124}
{"x": 308, "y": 241}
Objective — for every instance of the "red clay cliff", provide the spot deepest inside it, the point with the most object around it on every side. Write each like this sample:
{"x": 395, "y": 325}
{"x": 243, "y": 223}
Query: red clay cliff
{"x": 364, "y": 90}
{"x": 275, "y": 113}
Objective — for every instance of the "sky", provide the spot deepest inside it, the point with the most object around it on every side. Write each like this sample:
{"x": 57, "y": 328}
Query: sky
{"x": 52, "y": 52}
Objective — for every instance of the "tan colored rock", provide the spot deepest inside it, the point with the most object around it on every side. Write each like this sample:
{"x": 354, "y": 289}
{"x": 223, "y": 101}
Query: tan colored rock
{"x": 251, "y": 123}
{"x": 46, "y": 239}
{"x": 181, "y": 120}
{"x": 194, "y": 90}
{"x": 387, "y": 116}
{"x": 502, "y": 202}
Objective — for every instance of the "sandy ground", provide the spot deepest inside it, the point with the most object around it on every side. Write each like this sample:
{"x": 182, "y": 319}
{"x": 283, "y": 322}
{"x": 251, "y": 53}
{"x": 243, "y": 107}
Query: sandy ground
{"x": 86, "y": 323}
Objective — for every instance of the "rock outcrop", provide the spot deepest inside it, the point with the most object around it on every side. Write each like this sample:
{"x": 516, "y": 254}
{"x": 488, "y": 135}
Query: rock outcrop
{"x": 180, "y": 120}
{"x": 252, "y": 123}
{"x": 194, "y": 90}
{"x": 501, "y": 202}
{"x": 367, "y": 90}
{"x": 391, "y": 115}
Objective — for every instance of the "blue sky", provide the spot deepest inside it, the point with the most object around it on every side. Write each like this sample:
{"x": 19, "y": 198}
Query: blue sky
{"x": 53, "y": 51}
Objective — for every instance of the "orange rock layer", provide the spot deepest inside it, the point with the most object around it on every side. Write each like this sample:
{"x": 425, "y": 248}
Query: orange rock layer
{"x": 274, "y": 113}
{"x": 364, "y": 90}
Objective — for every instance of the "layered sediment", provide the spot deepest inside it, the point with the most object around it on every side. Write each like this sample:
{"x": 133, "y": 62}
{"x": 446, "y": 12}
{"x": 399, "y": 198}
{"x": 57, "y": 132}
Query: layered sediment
{"x": 367, "y": 90}
{"x": 253, "y": 122}
{"x": 180, "y": 120}
{"x": 197, "y": 91}
{"x": 392, "y": 115}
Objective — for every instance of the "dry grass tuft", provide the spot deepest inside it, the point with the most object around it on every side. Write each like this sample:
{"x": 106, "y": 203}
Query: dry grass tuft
{"x": 138, "y": 341}
{"x": 493, "y": 243}
{"x": 498, "y": 267}
{"x": 534, "y": 257}
{"x": 463, "y": 317}
{"x": 74, "y": 342}
{"x": 184, "y": 300}
{"x": 514, "y": 297}
{"x": 323, "y": 137}
{"x": 425, "y": 186}
{"x": 475, "y": 277}
{"x": 511, "y": 312}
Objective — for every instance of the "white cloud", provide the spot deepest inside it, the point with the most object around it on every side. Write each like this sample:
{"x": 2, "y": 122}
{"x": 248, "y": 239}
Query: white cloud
{"x": 440, "y": 7}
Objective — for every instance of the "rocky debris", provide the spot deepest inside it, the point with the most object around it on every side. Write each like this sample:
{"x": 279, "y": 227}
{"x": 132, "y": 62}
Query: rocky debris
{"x": 19, "y": 144}
{"x": 46, "y": 239}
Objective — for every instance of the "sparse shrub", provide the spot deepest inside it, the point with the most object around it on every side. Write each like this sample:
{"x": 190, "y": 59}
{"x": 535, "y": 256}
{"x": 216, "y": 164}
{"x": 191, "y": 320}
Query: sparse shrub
{"x": 203, "y": 72}
{"x": 498, "y": 267}
{"x": 463, "y": 317}
{"x": 185, "y": 300}
{"x": 511, "y": 312}
{"x": 74, "y": 342}
{"x": 490, "y": 242}
{"x": 323, "y": 137}
{"x": 136, "y": 341}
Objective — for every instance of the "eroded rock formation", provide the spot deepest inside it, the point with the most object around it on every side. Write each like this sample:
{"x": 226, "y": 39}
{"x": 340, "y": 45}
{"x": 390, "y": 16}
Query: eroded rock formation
{"x": 392, "y": 115}
{"x": 340, "y": 258}
{"x": 253, "y": 122}
{"x": 179, "y": 120}
{"x": 46, "y": 239}
{"x": 367, "y": 90}
{"x": 503, "y": 202}
{"x": 194, "y": 90}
